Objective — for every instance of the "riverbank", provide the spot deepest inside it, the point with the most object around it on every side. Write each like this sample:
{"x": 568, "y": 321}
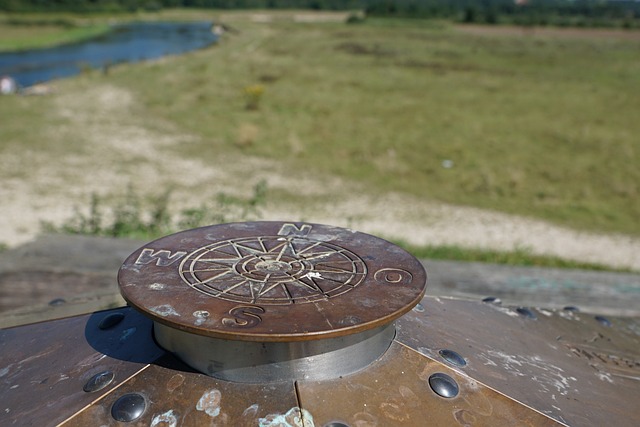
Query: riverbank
{"x": 25, "y": 32}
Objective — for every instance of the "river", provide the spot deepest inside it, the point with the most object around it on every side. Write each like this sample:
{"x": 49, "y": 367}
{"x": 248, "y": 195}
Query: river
{"x": 131, "y": 42}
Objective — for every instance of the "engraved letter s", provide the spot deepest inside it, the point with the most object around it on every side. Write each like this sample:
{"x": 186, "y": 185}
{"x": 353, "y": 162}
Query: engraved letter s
{"x": 244, "y": 316}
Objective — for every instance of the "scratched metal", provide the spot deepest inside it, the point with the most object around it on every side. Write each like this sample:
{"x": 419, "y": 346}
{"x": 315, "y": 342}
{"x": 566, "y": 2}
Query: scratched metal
{"x": 177, "y": 396}
{"x": 564, "y": 364}
{"x": 523, "y": 364}
{"x": 278, "y": 283}
{"x": 44, "y": 366}
{"x": 395, "y": 391}
{"x": 272, "y": 281}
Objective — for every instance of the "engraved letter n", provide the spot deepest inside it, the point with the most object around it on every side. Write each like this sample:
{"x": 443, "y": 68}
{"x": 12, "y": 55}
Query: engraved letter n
{"x": 291, "y": 229}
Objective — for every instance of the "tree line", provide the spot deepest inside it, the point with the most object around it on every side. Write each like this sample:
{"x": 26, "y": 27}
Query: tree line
{"x": 624, "y": 13}
{"x": 591, "y": 13}
{"x": 151, "y": 5}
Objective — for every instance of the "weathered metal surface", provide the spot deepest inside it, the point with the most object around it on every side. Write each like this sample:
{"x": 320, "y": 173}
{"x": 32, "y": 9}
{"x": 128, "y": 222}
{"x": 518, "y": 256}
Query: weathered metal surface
{"x": 598, "y": 292}
{"x": 451, "y": 362}
{"x": 564, "y": 364}
{"x": 395, "y": 391}
{"x": 174, "y": 396}
{"x": 45, "y": 367}
{"x": 272, "y": 281}
{"x": 78, "y": 269}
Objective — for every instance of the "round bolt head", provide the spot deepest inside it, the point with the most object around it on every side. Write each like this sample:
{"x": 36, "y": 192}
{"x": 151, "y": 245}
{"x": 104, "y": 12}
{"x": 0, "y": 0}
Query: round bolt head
{"x": 336, "y": 424}
{"x": 524, "y": 311}
{"x": 98, "y": 381}
{"x": 603, "y": 320}
{"x": 128, "y": 407}
{"x": 452, "y": 357}
{"x": 443, "y": 385}
{"x": 110, "y": 321}
{"x": 57, "y": 301}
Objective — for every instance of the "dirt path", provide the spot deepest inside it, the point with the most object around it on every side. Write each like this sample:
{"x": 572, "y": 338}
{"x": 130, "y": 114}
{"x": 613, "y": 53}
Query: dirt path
{"x": 555, "y": 32}
{"x": 122, "y": 149}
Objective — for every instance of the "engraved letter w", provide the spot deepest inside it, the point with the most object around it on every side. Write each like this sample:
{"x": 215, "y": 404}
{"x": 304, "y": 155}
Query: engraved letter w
{"x": 162, "y": 257}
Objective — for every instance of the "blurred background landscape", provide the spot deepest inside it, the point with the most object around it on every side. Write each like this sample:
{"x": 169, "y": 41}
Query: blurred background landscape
{"x": 492, "y": 131}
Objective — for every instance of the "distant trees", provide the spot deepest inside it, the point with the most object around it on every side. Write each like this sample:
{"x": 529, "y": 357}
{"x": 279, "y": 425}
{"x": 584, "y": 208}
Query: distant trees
{"x": 522, "y": 12}
{"x": 131, "y": 5}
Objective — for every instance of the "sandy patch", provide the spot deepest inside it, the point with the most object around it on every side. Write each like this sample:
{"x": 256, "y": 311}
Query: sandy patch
{"x": 121, "y": 150}
{"x": 581, "y": 33}
{"x": 301, "y": 17}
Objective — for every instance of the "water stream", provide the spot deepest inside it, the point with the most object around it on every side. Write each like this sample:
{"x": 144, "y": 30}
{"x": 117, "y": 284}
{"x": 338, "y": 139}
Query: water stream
{"x": 124, "y": 43}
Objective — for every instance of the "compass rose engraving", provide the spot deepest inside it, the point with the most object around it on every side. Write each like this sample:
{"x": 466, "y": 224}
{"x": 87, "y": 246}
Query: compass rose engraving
{"x": 273, "y": 270}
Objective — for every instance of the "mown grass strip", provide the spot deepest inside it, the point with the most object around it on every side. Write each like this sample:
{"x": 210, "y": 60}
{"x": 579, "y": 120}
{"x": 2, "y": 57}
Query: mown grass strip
{"x": 518, "y": 257}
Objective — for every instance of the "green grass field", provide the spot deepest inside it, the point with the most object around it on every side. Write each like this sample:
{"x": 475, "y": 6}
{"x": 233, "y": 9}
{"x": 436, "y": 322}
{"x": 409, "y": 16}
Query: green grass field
{"x": 537, "y": 126}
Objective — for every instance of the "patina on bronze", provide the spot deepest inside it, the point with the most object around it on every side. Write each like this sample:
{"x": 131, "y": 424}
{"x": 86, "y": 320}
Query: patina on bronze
{"x": 273, "y": 301}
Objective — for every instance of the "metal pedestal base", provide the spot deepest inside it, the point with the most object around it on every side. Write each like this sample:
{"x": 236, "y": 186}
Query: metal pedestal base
{"x": 259, "y": 362}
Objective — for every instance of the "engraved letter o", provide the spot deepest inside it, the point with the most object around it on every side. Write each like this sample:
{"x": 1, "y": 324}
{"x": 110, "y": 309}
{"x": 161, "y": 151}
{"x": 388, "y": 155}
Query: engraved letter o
{"x": 393, "y": 276}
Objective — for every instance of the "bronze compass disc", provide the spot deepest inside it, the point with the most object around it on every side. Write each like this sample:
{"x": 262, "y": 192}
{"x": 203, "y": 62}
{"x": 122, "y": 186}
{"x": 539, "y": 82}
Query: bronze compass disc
{"x": 272, "y": 281}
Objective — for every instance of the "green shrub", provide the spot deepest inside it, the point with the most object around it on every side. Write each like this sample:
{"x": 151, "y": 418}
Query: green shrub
{"x": 135, "y": 216}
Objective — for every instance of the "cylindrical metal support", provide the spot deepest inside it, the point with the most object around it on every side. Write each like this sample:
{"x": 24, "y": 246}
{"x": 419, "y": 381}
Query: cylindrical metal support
{"x": 259, "y": 362}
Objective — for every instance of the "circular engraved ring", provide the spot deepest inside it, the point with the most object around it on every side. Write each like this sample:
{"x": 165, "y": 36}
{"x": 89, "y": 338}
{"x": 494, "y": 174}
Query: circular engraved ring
{"x": 273, "y": 270}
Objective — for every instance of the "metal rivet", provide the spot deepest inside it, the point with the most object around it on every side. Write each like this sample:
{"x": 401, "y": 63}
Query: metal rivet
{"x": 603, "y": 320}
{"x": 443, "y": 385}
{"x": 336, "y": 424}
{"x": 57, "y": 301}
{"x": 419, "y": 308}
{"x": 110, "y": 321}
{"x": 571, "y": 308}
{"x": 524, "y": 311}
{"x": 128, "y": 407}
{"x": 98, "y": 381}
{"x": 452, "y": 357}
{"x": 492, "y": 300}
